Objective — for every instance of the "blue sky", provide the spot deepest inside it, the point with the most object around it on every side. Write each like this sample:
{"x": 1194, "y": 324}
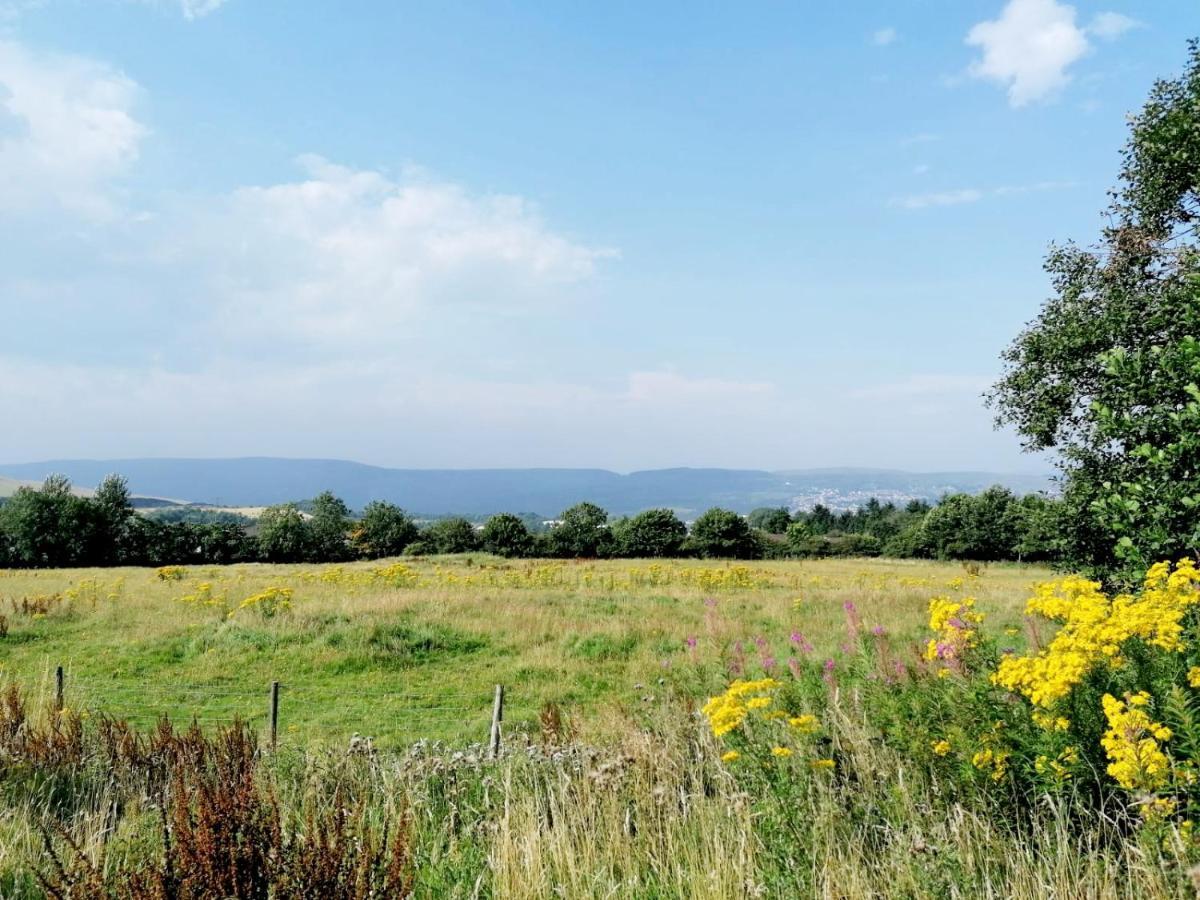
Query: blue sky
{"x": 619, "y": 235}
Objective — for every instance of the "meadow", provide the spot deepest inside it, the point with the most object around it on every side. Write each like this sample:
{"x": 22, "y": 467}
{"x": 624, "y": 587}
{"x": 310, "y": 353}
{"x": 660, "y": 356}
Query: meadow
{"x": 674, "y": 729}
{"x": 404, "y": 650}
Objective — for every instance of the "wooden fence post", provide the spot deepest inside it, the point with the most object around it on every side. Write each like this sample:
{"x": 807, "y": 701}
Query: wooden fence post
{"x": 58, "y": 689}
{"x": 274, "y": 713}
{"x": 497, "y": 716}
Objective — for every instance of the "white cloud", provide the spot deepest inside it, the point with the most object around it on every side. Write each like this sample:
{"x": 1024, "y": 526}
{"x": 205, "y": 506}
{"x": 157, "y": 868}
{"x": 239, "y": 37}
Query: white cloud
{"x": 67, "y": 130}
{"x": 672, "y": 390}
{"x": 884, "y": 36}
{"x": 390, "y": 410}
{"x": 1029, "y": 48}
{"x": 1033, "y": 43}
{"x": 195, "y": 9}
{"x": 921, "y": 138}
{"x": 938, "y": 198}
{"x": 334, "y": 262}
{"x": 974, "y": 195}
{"x": 397, "y": 411}
{"x": 11, "y": 10}
{"x": 345, "y": 257}
{"x": 1109, "y": 25}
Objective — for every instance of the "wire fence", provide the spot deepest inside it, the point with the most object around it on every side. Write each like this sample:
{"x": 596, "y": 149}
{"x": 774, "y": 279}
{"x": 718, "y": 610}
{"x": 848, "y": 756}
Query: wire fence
{"x": 279, "y": 710}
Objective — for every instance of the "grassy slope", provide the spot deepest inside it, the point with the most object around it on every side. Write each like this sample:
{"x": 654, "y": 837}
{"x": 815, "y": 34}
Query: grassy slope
{"x": 359, "y": 654}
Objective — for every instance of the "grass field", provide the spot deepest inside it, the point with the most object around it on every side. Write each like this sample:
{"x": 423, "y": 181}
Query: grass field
{"x": 401, "y": 651}
{"x": 865, "y": 768}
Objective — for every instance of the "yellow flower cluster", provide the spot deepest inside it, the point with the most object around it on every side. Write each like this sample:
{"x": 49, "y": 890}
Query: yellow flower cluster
{"x": 955, "y": 626}
{"x": 1135, "y": 760}
{"x": 543, "y": 575}
{"x": 940, "y": 747}
{"x": 397, "y": 575}
{"x": 994, "y": 759}
{"x": 993, "y": 756}
{"x": 1049, "y": 722}
{"x": 205, "y": 595}
{"x": 91, "y": 591}
{"x": 268, "y": 602}
{"x": 1094, "y": 628}
{"x": 171, "y": 573}
{"x": 805, "y": 724}
{"x": 1060, "y": 766}
{"x": 728, "y": 711}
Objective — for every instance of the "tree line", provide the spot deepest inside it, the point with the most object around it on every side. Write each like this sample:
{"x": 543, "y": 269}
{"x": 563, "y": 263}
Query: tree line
{"x": 52, "y": 527}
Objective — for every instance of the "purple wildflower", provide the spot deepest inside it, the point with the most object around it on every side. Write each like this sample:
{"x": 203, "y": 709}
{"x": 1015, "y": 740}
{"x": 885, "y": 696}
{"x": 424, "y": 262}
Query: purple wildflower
{"x": 800, "y": 641}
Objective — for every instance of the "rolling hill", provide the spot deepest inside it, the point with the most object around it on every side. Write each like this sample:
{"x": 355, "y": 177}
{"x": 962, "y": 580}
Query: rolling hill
{"x": 259, "y": 481}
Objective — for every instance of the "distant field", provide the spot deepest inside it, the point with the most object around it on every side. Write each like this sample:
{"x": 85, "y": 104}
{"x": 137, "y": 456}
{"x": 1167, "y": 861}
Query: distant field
{"x": 9, "y": 486}
{"x": 407, "y": 650}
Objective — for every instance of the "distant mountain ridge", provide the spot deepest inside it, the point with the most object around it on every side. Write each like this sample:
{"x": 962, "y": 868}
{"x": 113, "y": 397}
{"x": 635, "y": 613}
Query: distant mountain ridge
{"x": 261, "y": 481}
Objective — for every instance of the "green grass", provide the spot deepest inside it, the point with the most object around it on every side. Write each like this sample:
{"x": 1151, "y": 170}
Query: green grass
{"x": 628, "y": 796}
{"x": 417, "y": 655}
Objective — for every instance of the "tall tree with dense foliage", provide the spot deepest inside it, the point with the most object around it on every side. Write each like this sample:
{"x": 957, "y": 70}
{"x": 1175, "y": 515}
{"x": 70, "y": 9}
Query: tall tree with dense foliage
{"x": 329, "y": 529}
{"x": 771, "y": 519}
{"x": 283, "y": 534}
{"x": 383, "y": 530}
{"x": 114, "y": 508}
{"x": 1108, "y": 375}
{"x": 981, "y": 527}
{"x": 51, "y": 527}
{"x": 653, "y": 533}
{"x": 582, "y": 532}
{"x": 506, "y": 535}
{"x": 453, "y": 535}
{"x": 723, "y": 534}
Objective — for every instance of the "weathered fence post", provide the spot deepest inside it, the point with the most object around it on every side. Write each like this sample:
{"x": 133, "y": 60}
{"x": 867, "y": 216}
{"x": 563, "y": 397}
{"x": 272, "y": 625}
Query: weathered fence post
{"x": 497, "y": 716}
{"x": 274, "y": 713}
{"x": 58, "y": 689}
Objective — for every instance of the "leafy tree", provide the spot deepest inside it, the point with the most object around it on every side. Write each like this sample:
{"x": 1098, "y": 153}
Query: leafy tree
{"x": 582, "y": 533}
{"x": 652, "y": 533}
{"x": 966, "y": 527}
{"x": 453, "y": 535}
{"x": 194, "y": 515}
{"x": 820, "y": 519}
{"x": 283, "y": 534}
{"x": 384, "y": 530}
{"x": 114, "y": 508}
{"x": 911, "y": 541}
{"x": 329, "y": 529}
{"x": 1108, "y": 375}
{"x": 51, "y": 527}
{"x": 506, "y": 535}
{"x": 799, "y": 538}
{"x": 852, "y": 545}
{"x": 222, "y": 544}
{"x": 722, "y": 534}
{"x": 772, "y": 520}
{"x": 1037, "y": 525}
